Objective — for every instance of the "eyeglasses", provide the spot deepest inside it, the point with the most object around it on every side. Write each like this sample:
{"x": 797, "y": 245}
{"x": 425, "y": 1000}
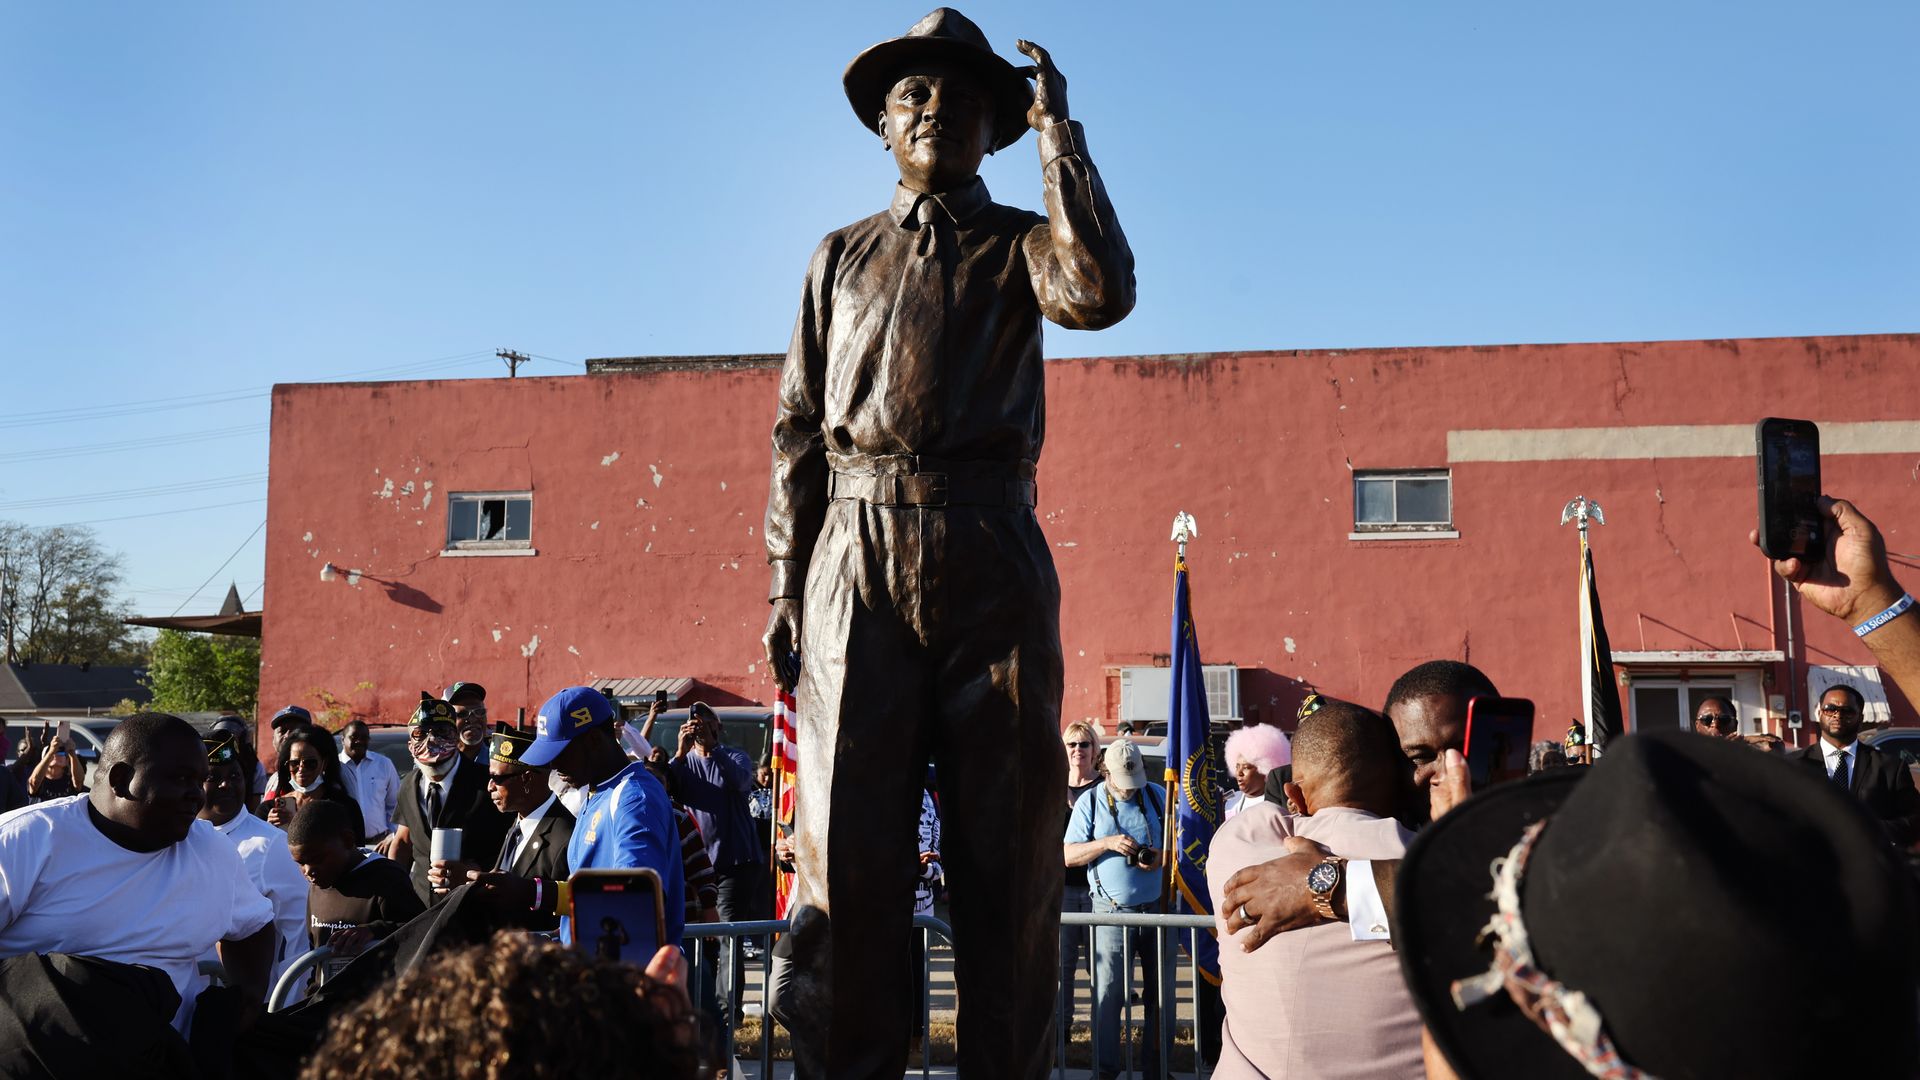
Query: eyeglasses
{"x": 495, "y": 779}
{"x": 1838, "y": 710}
{"x": 1079, "y": 746}
{"x": 1716, "y": 719}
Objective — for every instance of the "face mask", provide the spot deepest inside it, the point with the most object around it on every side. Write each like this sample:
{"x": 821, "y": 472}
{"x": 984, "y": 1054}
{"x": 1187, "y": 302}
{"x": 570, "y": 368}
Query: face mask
{"x": 437, "y": 750}
{"x": 304, "y": 789}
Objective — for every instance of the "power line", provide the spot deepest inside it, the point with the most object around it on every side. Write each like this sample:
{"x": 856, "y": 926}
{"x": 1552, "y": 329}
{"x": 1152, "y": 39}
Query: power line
{"x": 161, "y": 513}
{"x": 251, "y": 595}
{"x": 182, "y": 488}
{"x": 223, "y": 566}
{"x": 83, "y": 413}
{"x": 149, "y": 443}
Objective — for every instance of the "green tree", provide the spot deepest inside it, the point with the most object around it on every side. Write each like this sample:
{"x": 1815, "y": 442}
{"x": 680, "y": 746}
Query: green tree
{"x": 56, "y": 598}
{"x": 204, "y": 672}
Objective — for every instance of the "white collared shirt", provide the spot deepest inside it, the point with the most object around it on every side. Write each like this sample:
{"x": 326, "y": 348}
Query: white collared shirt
{"x": 375, "y": 785}
{"x": 1833, "y": 753}
{"x": 445, "y": 782}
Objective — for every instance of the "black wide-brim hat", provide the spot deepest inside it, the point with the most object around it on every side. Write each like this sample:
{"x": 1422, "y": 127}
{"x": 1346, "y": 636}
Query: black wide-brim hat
{"x": 1725, "y": 911}
{"x": 945, "y": 35}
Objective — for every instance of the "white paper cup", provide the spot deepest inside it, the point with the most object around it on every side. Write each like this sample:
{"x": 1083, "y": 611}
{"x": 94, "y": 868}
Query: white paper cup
{"x": 446, "y": 845}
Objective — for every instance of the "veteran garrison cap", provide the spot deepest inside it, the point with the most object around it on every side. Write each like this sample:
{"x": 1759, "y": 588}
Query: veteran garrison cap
{"x": 509, "y": 744}
{"x": 430, "y": 710}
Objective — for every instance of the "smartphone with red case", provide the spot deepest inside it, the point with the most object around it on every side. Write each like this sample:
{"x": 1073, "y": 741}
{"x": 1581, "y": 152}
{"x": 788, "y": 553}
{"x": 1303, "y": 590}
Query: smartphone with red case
{"x": 1499, "y": 736}
{"x": 618, "y": 914}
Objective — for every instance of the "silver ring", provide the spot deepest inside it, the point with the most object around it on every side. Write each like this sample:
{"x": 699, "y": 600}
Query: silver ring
{"x": 1243, "y": 914}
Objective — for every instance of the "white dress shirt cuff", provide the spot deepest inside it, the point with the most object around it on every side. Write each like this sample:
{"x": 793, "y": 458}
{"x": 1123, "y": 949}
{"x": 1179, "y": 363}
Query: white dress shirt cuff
{"x": 1366, "y": 913}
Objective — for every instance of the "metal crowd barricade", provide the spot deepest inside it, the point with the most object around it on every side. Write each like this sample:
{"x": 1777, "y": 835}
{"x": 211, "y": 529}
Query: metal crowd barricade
{"x": 726, "y": 937}
{"x": 701, "y": 937}
{"x": 1167, "y": 979}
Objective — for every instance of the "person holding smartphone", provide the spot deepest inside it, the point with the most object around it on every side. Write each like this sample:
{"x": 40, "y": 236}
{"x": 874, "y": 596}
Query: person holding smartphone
{"x": 59, "y": 774}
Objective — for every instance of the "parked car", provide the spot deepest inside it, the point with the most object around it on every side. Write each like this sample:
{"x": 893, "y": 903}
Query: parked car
{"x": 1904, "y": 743}
{"x": 89, "y": 736}
{"x": 391, "y": 743}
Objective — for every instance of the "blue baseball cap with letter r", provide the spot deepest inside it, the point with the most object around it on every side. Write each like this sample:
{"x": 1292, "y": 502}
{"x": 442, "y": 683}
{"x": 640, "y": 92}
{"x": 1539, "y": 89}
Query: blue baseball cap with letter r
{"x": 565, "y": 715}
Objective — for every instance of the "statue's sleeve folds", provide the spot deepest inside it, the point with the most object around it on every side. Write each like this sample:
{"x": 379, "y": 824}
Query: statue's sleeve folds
{"x": 1081, "y": 266}
{"x": 797, "y": 499}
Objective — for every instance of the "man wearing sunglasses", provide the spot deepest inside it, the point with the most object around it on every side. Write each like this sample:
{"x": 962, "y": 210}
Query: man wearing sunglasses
{"x": 536, "y": 845}
{"x": 443, "y": 790}
{"x": 1717, "y": 717}
{"x": 1879, "y": 780}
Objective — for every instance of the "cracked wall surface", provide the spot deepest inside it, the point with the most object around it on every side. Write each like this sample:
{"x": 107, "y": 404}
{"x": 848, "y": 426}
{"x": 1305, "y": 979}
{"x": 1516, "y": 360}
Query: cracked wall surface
{"x": 647, "y": 558}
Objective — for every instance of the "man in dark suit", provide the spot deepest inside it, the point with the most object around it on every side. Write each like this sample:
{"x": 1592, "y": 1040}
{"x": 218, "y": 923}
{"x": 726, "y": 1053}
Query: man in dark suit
{"x": 536, "y": 843}
{"x": 1881, "y": 781}
{"x": 443, "y": 790}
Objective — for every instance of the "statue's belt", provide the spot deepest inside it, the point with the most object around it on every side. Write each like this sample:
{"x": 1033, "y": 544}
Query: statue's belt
{"x": 932, "y": 489}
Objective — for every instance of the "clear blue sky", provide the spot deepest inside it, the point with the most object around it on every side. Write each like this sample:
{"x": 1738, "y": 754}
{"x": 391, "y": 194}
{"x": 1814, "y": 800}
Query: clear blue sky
{"x": 207, "y": 198}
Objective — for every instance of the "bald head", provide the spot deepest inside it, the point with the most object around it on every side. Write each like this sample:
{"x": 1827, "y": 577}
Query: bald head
{"x": 151, "y": 782}
{"x": 136, "y": 739}
{"x": 1346, "y": 755}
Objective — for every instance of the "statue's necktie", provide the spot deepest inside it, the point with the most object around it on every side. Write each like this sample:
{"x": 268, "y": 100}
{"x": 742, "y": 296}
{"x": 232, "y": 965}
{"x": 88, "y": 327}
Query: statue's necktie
{"x": 916, "y": 356}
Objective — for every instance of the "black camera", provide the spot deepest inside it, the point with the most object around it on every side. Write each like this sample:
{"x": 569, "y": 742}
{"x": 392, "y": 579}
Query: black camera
{"x": 1144, "y": 857}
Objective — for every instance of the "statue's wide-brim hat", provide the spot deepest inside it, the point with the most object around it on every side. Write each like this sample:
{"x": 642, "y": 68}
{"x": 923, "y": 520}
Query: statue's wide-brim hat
{"x": 944, "y": 35}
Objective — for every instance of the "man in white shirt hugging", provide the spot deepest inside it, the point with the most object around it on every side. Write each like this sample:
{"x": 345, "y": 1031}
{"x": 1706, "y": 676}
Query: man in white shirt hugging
{"x": 1317, "y": 1002}
{"x": 129, "y": 873}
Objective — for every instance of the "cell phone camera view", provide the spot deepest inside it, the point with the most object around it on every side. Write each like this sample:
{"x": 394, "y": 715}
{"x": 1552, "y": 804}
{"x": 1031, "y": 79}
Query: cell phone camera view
{"x": 1787, "y": 457}
{"x": 618, "y": 914}
{"x": 1499, "y": 734}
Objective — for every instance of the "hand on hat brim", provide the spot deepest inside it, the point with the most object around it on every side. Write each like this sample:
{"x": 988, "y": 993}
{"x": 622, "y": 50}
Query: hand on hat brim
{"x": 1049, "y": 87}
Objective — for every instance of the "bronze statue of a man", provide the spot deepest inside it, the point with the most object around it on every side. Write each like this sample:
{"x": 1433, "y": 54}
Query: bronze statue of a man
{"x": 909, "y": 572}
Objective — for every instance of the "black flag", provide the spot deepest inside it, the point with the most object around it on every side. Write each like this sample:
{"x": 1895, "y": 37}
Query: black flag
{"x": 1604, "y": 720}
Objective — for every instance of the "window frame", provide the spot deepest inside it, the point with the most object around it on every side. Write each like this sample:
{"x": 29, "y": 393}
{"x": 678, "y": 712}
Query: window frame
{"x": 1397, "y": 529}
{"x": 456, "y": 499}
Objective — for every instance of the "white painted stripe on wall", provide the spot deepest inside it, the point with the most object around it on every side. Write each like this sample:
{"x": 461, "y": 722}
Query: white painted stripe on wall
{"x": 1667, "y": 441}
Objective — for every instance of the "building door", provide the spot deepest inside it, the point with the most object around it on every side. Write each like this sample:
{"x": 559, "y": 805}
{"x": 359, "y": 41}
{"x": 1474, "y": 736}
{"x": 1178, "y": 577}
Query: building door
{"x": 1670, "y": 702}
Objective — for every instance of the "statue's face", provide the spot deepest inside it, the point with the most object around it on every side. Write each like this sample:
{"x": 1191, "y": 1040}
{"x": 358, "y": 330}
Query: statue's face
{"x": 939, "y": 124}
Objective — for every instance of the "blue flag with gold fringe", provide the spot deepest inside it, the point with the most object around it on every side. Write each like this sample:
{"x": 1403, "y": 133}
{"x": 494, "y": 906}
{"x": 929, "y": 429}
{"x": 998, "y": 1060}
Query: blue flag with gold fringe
{"x": 1192, "y": 782}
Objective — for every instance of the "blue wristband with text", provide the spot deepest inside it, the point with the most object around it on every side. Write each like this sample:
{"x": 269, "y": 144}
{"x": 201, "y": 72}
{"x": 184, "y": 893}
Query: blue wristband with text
{"x": 1898, "y": 609}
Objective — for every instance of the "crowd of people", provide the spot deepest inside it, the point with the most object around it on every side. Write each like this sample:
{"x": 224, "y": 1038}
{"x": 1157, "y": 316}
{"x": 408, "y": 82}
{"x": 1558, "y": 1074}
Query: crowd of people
{"x": 1376, "y": 916}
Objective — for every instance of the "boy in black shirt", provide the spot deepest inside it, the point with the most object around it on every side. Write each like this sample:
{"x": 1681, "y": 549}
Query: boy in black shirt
{"x": 355, "y": 898}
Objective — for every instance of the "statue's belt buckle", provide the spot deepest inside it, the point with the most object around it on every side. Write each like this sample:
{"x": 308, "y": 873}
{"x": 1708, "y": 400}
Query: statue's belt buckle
{"x": 922, "y": 489}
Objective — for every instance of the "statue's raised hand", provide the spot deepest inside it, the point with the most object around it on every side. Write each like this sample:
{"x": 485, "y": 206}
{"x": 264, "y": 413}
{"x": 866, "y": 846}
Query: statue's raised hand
{"x": 1049, "y": 88}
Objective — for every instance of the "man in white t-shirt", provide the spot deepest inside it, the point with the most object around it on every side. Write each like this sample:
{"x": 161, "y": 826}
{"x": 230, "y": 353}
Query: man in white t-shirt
{"x": 263, "y": 849}
{"x": 129, "y": 873}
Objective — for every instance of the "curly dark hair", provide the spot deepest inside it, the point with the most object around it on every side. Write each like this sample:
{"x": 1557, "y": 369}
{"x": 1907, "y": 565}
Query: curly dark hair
{"x": 514, "y": 1007}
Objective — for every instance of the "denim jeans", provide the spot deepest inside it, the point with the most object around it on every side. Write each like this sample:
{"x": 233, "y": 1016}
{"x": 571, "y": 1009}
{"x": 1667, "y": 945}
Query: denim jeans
{"x": 1110, "y": 979}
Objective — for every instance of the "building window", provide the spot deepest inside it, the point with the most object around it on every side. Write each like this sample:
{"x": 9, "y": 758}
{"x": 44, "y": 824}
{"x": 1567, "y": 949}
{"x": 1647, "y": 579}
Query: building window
{"x": 1403, "y": 501}
{"x": 490, "y": 521}
{"x": 1147, "y": 692}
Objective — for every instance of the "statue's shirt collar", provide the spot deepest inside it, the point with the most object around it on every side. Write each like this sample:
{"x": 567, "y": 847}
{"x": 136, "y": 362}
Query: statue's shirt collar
{"x": 959, "y": 204}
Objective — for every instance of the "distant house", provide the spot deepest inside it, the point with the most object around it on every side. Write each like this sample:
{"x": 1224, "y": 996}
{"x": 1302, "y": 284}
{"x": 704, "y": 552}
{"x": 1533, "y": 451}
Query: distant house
{"x": 68, "y": 689}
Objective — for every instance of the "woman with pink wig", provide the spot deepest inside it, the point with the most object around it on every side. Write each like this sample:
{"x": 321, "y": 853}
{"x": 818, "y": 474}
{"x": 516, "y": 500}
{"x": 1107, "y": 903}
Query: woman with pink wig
{"x": 1252, "y": 753}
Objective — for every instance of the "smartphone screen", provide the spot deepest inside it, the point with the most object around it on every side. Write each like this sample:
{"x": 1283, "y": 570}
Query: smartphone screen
{"x": 618, "y": 914}
{"x": 1788, "y": 453}
{"x": 63, "y": 732}
{"x": 1499, "y": 735}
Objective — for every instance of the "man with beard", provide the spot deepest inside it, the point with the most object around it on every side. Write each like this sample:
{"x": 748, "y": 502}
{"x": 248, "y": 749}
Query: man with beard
{"x": 129, "y": 874}
{"x": 443, "y": 790}
{"x": 469, "y": 701}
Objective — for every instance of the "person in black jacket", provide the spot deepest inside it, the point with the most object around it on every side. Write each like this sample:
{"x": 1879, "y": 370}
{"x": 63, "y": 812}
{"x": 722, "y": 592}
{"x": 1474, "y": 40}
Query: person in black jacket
{"x": 1880, "y": 781}
{"x": 535, "y": 845}
{"x": 443, "y": 790}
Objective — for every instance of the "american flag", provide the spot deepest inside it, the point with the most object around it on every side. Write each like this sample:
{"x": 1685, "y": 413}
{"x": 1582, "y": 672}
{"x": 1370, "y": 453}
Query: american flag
{"x": 786, "y": 766}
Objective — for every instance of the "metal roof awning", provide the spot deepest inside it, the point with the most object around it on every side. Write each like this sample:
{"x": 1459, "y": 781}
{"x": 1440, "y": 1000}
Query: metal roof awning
{"x": 640, "y": 690}
{"x": 245, "y": 624}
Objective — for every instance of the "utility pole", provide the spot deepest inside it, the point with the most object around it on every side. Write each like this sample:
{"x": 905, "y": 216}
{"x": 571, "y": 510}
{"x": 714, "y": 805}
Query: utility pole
{"x": 513, "y": 359}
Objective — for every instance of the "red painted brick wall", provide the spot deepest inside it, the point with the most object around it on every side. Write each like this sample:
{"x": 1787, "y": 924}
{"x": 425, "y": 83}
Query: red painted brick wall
{"x": 650, "y": 562}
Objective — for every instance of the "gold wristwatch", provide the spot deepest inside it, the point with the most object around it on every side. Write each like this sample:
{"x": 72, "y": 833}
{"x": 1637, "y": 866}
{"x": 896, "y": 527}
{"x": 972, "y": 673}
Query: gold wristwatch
{"x": 1323, "y": 881}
